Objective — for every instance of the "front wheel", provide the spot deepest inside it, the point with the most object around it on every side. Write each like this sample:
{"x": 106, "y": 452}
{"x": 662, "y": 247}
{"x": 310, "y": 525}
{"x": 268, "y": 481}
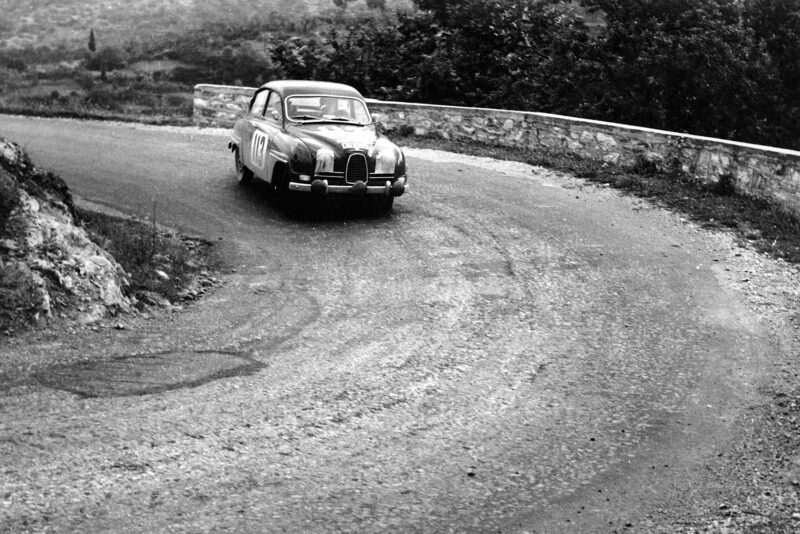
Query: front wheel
{"x": 243, "y": 174}
{"x": 291, "y": 200}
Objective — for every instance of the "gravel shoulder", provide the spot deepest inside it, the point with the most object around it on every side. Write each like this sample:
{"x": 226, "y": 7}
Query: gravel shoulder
{"x": 757, "y": 474}
{"x": 752, "y": 483}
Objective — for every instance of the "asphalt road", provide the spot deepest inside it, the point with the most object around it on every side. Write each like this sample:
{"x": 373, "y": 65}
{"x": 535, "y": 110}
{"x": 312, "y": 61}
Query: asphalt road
{"x": 507, "y": 351}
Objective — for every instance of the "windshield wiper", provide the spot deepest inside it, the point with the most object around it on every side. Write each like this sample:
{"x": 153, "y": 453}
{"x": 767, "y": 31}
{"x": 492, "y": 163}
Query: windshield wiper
{"x": 305, "y": 118}
{"x": 346, "y": 119}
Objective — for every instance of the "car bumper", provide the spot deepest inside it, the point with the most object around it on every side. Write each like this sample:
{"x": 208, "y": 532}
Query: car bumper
{"x": 321, "y": 187}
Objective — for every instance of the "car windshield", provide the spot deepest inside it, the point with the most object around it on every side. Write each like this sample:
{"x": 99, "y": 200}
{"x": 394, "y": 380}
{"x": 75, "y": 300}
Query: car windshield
{"x": 323, "y": 108}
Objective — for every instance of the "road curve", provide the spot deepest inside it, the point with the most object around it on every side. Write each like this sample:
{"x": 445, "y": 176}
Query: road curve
{"x": 507, "y": 351}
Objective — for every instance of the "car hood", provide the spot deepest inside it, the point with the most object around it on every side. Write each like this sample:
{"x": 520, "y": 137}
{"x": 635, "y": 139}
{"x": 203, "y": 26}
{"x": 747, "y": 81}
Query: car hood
{"x": 338, "y": 137}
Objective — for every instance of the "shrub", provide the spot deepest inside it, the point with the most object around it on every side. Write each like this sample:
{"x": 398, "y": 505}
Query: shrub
{"x": 20, "y": 295}
{"x": 16, "y": 64}
{"x": 176, "y": 101}
{"x": 190, "y": 75}
{"x": 9, "y": 198}
{"x": 141, "y": 249}
{"x": 106, "y": 59}
{"x": 725, "y": 185}
{"x": 102, "y": 97}
{"x": 84, "y": 79}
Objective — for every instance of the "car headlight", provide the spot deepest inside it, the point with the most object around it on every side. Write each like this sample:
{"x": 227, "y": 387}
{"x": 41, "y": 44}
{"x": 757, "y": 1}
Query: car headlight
{"x": 385, "y": 161}
{"x": 324, "y": 161}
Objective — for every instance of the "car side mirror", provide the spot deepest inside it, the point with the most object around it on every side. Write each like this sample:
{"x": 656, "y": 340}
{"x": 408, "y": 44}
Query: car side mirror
{"x": 276, "y": 115}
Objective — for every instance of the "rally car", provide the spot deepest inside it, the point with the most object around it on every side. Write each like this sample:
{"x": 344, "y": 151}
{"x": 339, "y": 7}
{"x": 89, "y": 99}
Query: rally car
{"x": 316, "y": 138}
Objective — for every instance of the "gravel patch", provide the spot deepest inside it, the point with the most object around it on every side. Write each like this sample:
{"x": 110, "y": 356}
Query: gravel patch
{"x": 757, "y": 475}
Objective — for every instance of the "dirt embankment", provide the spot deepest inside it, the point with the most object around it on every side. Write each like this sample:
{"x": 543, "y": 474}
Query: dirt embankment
{"x": 48, "y": 264}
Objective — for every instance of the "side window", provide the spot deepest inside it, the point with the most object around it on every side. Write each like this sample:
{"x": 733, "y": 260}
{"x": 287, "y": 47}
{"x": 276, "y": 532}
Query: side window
{"x": 257, "y": 107}
{"x": 274, "y": 105}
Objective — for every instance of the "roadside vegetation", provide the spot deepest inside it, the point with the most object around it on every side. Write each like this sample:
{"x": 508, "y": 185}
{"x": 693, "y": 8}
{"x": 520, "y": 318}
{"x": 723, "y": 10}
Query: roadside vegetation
{"x": 161, "y": 265}
{"x": 723, "y": 68}
{"x": 763, "y": 225}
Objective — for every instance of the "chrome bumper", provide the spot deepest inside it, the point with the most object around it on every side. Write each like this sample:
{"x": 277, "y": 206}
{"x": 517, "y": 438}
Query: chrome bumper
{"x": 359, "y": 188}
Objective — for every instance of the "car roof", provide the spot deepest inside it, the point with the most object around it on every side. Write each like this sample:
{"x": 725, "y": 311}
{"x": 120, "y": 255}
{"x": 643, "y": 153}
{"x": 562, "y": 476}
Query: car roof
{"x": 307, "y": 87}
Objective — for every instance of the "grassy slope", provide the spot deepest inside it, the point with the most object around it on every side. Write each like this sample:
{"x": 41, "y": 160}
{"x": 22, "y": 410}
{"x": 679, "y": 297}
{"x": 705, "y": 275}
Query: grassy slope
{"x": 50, "y": 40}
{"x": 67, "y": 22}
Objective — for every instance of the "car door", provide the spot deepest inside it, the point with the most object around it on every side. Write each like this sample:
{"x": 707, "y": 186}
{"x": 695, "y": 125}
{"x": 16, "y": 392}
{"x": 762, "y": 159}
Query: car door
{"x": 256, "y": 112}
{"x": 265, "y": 127}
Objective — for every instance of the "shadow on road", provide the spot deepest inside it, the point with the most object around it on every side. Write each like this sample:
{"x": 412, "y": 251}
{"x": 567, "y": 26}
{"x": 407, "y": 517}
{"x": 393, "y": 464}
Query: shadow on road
{"x": 300, "y": 207}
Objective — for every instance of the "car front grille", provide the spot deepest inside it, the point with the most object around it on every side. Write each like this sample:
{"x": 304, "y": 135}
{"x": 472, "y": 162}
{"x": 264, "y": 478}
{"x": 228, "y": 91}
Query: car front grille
{"x": 356, "y": 169}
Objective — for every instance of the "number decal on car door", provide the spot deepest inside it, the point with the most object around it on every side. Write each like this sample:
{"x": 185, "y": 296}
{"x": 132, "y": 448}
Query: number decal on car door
{"x": 258, "y": 149}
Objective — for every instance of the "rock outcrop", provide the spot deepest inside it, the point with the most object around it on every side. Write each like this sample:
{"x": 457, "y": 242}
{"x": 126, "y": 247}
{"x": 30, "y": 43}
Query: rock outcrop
{"x": 48, "y": 264}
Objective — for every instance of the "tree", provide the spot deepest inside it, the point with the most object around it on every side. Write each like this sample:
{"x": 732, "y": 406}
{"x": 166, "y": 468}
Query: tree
{"x": 377, "y": 4}
{"x": 5, "y": 24}
{"x": 776, "y": 25}
{"x": 16, "y": 64}
{"x": 342, "y": 3}
{"x": 684, "y": 65}
{"x": 505, "y": 53}
{"x": 92, "y": 43}
{"x": 107, "y": 58}
{"x": 440, "y": 8}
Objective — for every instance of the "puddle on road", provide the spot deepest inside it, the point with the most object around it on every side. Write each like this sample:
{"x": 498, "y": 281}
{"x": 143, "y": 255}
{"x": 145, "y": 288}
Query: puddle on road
{"x": 144, "y": 374}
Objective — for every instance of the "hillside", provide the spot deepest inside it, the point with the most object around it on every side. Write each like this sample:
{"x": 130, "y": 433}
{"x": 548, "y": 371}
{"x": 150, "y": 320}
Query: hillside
{"x": 65, "y": 24}
{"x": 718, "y": 68}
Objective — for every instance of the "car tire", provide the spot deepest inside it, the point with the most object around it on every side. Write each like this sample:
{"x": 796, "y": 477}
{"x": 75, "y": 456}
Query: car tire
{"x": 280, "y": 181}
{"x": 290, "y": 200}
{"x": 243, "y": 174}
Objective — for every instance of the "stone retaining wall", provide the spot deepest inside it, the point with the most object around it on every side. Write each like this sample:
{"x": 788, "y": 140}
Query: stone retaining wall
{"x": 220, "y": 105}
{"x": 754, "y": 170}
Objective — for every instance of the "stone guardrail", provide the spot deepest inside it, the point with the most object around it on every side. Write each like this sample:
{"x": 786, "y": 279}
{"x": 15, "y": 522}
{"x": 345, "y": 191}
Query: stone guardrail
{"x": 754, "y": 170}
